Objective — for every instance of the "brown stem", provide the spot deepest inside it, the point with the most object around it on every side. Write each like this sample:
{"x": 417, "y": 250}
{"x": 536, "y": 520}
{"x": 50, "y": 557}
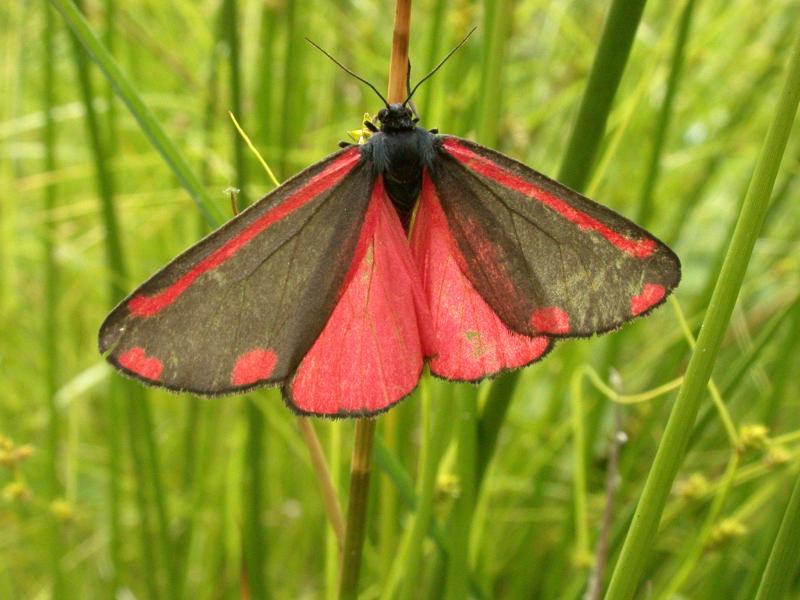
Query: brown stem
{"x": 357, "y": 508}
{"x": 398, "y": 65}
{"x": 595, "y": 588}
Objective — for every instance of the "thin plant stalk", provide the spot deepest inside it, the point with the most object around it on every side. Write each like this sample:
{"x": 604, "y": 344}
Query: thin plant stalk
{"x": 115, "y": 428}
{"x": 461, "y": 518}
{"x": 131, "y": 394}
{"x": 782, "y": 563}
{"x": 147, "y": 121}
{"x": 230, "y": 28}
{"x": 253, "y": 532}
{"x": 436, "y": 428}
{"x": 388, "y": 496}
{"x": 293, "y": 102}
{"x": 498, "y": 19}
{"x": 333, "y": 543}
{"x": 587, "y": 132}
{"x": 327, "y": 488}
{"x": 116, "y": 266}
{"x": 583, "y": 552}
{"x": 609, "y": 64}
{"x": 664, "y": 115}
{"x": 691, "y": 558}
{"x": 398, "y": 63}
{"x": 355, "y": 530}
{"x": 142, "y": 411}
{"x": 51, "y": 286}
{"x": 639, "y": 540}
{"x": 139, "y": 425}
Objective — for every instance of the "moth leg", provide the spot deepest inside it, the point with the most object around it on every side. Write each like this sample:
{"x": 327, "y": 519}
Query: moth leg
{"x": 371, "y": 126}
{"x": 345, "y": 144}
{"x": 433, "y": 131}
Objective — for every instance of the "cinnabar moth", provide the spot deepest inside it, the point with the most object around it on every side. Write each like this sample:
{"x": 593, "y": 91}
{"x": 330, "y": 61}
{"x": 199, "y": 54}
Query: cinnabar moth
{"x": 318, "y": 288}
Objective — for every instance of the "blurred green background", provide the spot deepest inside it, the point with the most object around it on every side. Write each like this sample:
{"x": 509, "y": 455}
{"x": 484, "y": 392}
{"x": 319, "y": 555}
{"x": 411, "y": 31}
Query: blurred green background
{"x": 112, "y": 491}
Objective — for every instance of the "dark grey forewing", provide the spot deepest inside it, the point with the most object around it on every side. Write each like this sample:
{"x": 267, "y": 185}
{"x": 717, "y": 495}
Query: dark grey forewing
{"x": 275, "y": 294}
{"x": 530, "y": 263}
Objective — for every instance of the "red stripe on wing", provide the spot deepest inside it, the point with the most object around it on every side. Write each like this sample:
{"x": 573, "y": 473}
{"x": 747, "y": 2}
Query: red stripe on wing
{"x": 371, "y": 352}
{"x": 641, "y": 248}
{"x": 471, "y": 341}
{"x": 147, "y": 306}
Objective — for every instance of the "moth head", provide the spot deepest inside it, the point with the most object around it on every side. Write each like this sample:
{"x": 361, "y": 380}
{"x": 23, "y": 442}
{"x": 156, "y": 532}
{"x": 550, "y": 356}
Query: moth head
{"x": 396, "y": 117}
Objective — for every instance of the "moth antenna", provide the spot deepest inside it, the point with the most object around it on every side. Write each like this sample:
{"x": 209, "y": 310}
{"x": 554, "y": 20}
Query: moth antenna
{"x": 439, "y": 66}
{"x": 408, "y": 91}
{"x": 349, "y": 72}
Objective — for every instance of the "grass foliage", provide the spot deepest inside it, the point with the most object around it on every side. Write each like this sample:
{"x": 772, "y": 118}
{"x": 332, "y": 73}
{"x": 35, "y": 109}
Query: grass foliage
{"x": 520, "y": 488}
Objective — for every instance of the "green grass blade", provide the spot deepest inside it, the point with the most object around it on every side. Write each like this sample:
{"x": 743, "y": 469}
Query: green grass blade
{"x": 50, "y": 333}
{"x": 665, "y": 116}
{"x": 609, "y": 64}
{"x": 147, "y": 121}
{"x": 498, "y": 22}
{"x": 631, "y": 564}
{"x": 783, "y": 559}
{"x": 459, "y": 524}
{"x": 587, "y": 132}
{"x": 145, "y": 465}
{"x": 436, "y": 428}
{"x": 292, "y": 109}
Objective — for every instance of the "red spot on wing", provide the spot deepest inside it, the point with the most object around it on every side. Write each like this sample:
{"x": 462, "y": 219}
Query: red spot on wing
{"x": 370, "y": 353}
{"x": 652, "y": 294}
{"x": 147, "y": 306}
{"x": 137, "y": 361}
{"x": 550, "y": 319}
{"x": 641, "y": 248}
{"x": 471, "y": 341}
{"x": 255, "y": 365}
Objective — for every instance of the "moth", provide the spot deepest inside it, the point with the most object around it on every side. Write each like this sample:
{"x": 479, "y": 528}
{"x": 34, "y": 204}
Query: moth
{"x": 412, "y": 249}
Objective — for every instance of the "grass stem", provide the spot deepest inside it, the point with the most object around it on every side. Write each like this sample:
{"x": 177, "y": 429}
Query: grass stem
{"x": 355, "y": 529}
{"x": 147, "y": 121}
{"x": 644, "y": 527}
{"x": 327, "y": 488}
{"x": 609, "y": 64}
{"x": 51, "y": 290}
{"x": 782, "y": 563}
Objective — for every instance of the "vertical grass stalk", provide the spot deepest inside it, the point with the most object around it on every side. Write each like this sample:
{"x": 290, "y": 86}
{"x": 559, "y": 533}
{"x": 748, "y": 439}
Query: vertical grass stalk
{"x": 51, "y": 293}
{"x": 670, "y": 452}
{"x": 145, "y": 466}
{"x": 609, "y": 64}
{"x": 498, "y": 19}
{"x": 327, "y": 487}
{"x": 587, "y": 132}
{"x": 460, "y": 522}
{"x": 388, "y": 496}
{"x": 147, "y": 121}
{"x": 334, "y": 544}
{"x": 293, "y": 107}
{"x": 355, "y": 530}
{"x": 253, "y": 531}
{"x": 782, "y": 564}
{"x": 664, "y": 115}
